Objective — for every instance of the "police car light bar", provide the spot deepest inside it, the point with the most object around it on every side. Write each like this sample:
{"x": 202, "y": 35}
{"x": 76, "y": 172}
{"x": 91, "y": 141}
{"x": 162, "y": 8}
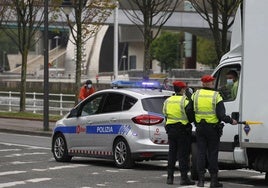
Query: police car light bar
{"x": 150, "y": 84}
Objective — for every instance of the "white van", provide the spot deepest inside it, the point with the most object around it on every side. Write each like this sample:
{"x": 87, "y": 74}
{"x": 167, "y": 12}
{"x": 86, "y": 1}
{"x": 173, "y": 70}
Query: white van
{"x": 246, "y": 145}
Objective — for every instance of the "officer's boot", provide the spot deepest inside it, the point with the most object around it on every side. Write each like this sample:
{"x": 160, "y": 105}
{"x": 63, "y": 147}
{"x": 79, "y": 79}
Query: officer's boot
{"x": 214, "y": 181}
{"x": 185, "y": 180}
{"x": 201, "y": 180}
{"x": 170, "y": 176}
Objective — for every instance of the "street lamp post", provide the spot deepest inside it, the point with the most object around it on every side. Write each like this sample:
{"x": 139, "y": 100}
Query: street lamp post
{"x": 116, "y": 41}
{"x": 124, "y": 62}
{"x": 57, "y": 45}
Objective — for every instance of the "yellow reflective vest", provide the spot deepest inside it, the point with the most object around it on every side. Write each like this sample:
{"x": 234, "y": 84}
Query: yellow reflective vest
{"x": 174, "y": 109}
{"x": 205, "y": 102}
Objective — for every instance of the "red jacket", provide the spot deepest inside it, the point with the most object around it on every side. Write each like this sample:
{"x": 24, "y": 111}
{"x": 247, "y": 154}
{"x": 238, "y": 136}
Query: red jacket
{"x": 85, "y": 92}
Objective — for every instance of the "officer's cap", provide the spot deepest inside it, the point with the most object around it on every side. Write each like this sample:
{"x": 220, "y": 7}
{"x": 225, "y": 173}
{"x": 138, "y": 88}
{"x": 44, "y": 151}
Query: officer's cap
{"x": 207, "y": 78}
{"x": 179, "y": 84}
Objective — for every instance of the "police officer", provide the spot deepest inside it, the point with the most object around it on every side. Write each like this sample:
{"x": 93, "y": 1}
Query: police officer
{"x": 209, "y": 111}
{"x": 179, "y": 133}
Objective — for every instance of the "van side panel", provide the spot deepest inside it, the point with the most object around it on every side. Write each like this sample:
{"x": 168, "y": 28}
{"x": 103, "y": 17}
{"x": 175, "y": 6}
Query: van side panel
{"x": 254, "y": 98}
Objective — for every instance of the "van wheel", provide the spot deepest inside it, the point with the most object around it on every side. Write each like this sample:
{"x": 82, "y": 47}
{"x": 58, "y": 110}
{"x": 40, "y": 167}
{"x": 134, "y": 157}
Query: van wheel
{"x": 194, "y": 173}
{"x": 60, "y": 151}
{"x": 122, "y": 154}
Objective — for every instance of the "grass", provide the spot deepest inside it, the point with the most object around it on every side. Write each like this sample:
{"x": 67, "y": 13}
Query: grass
{"x": 28, "y": 115}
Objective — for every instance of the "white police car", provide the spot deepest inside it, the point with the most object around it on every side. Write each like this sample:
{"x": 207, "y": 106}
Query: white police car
{"x": 125, "y": 125}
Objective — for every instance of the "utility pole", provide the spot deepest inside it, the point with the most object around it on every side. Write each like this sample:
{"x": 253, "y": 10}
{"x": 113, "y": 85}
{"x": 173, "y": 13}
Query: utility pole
{"x": 46, "y": 82}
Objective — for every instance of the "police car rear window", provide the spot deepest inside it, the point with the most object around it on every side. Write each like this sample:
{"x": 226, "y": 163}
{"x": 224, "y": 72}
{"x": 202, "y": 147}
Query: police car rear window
{"x": 154, "y": 104}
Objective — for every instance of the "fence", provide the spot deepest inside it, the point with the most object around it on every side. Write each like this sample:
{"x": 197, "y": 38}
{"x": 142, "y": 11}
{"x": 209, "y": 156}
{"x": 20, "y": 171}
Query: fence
{"x": 58, "y": 103}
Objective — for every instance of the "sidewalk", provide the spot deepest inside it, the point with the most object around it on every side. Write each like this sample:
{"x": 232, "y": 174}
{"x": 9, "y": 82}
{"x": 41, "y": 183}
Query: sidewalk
{"x": 22, "y": 126}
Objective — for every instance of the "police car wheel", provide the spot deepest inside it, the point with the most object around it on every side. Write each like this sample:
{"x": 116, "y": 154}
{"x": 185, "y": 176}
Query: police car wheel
{"x": 122, "y": 155}
{"x": 194, "y": 174}
{"x": 60, "y": 151}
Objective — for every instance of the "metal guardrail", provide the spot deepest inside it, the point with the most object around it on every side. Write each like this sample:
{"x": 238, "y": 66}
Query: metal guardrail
{"x": 58, "y": 103}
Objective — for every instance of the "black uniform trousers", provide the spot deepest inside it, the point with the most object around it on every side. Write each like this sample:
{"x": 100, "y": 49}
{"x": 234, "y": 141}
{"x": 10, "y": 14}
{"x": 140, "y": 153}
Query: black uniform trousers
{"x": 208, "y": 140}
{"x": 179, "y": 138}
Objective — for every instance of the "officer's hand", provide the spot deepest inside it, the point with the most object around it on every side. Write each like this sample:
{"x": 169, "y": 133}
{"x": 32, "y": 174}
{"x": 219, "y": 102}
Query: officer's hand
{"x": 234, "y": 122}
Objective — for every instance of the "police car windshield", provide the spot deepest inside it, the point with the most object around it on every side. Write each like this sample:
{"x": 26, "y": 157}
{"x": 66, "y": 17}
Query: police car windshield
{"x": 154, "y": 104}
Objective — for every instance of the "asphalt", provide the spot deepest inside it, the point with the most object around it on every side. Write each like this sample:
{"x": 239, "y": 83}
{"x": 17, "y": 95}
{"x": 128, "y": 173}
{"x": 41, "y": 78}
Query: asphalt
{"x": 25, "y": 126}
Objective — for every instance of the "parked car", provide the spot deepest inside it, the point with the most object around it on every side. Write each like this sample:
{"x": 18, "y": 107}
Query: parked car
{"x": 125, "y": 125}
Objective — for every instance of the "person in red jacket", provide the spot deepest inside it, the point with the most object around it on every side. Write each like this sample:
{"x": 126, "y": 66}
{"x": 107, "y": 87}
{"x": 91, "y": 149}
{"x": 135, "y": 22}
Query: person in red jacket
{"x": 86, "y": 90}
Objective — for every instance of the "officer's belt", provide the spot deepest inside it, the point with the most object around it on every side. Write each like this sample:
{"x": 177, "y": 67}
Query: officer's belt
{"x": 178, "y": 124}
{"x": 203, "y": 122}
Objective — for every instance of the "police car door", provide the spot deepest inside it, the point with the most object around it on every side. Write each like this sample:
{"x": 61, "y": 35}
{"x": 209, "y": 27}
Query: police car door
{"x": 102, "y": 124}
{"x": 87, "y": 115}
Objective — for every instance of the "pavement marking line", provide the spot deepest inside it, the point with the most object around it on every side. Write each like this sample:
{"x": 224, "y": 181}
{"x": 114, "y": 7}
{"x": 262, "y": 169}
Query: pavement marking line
{"x": 4, "y": 150}
{"x": 59, "y": 167}
{"x": 101, "y": 185}
{"x": 132, "y": 181}
{"x": 247, "y": 170}
{"x": 25, "y": 154}
{"x": 258, "y": 175}
{"x": 36, "y": 180}
{"x": 11, "y": 184}
{"x": 67, "y": 166}
{"x": 112, "y": 170}
{"x": 23, "y": 145}
{"x": 14, "y": 183}
{"x": 23, "y": 162}
{"x": 235, "y": 184}
{"x": 11, "y": 172}
{"x": 25, "y": 135}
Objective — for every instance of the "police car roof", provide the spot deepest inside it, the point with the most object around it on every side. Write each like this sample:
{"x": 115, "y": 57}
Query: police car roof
{"x": 140, "y": 92}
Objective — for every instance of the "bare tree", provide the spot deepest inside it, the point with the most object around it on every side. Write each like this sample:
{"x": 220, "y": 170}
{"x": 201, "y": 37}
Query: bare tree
{"x": 27, "y": 16}
{"x": 84, "y": 22}
{"x": 220, "y": 16}
{"x": 149, "y": 15}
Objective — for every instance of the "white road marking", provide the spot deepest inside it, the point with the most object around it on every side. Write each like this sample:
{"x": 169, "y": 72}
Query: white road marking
{"x": 101, "y": 185}
{"x": 244, "y": 185}
{"x": 14, "y": 183}
{"x": 23, "y": 145}
{"x": 4, "y": 150}
{"x": 25, "y": 154}
{"x": 36, "y": 180}
{"x": 59, "y": 167}
{"x": 132, "y": 181}
{"x": 112, "y": 170}
{"x": 11, "y": 172}
{"x": 11, "y": 184}
{"x": 22, "y": 162}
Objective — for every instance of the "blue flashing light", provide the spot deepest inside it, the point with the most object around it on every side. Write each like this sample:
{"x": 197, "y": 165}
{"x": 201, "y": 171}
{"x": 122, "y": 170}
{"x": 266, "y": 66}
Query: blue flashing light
{"x": 151, "y": 84}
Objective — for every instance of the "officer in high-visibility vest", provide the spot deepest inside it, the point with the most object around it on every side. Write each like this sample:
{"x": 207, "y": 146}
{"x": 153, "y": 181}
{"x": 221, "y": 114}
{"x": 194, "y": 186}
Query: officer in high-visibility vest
{"x": 179, "y": 132}
{"x": 209, "y": 111}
